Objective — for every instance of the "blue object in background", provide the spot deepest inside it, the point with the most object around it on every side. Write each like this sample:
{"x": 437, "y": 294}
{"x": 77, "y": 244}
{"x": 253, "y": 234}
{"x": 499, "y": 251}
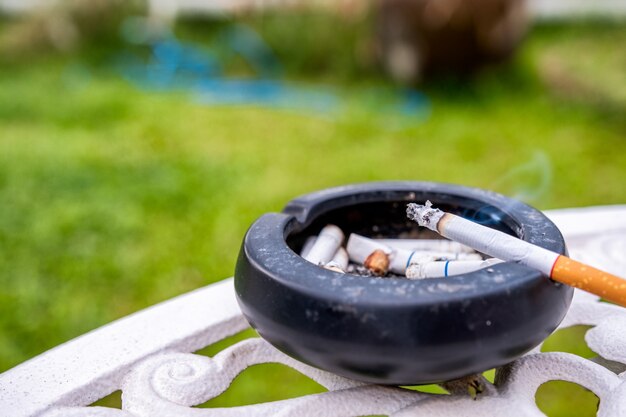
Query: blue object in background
{"x": 174, "y": 65}
{"x": 413, "y": 102}
{"x": 247, "y": 43}
{"x": 271, "y": 93}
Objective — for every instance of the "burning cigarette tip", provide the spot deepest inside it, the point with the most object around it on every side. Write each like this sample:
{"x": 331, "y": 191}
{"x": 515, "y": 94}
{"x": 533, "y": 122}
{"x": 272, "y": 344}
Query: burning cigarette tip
{"x": 424, "y": 215}
{"x": 412, "y": 211}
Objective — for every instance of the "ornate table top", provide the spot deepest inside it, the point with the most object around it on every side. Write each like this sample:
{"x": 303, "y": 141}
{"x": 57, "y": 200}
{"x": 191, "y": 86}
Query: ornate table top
{"x": 146, "y": 356}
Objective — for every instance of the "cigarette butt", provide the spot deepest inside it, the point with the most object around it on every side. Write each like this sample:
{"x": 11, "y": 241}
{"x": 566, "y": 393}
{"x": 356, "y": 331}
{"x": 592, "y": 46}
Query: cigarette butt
{"x": 308, "y": 244}
{"x": 449, "y": 256}
{"x": 334, "y": 266}
{"x": 377, "y": 262}
{"x": 401, "y": 258}
{"x": 432, "y": 245}
{"x": 326, "y": 245}
{"x": 360, "y": 247}
{"x": 588, "y": 278}
{"x": 341, "y": 258}
{"x": 440, "y": 269}
{"x": 340, "y": 261}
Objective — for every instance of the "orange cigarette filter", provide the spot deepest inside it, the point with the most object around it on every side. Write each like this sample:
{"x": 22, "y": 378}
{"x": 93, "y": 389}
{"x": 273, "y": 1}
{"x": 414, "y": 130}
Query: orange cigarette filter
{"x": 588, "y": 278}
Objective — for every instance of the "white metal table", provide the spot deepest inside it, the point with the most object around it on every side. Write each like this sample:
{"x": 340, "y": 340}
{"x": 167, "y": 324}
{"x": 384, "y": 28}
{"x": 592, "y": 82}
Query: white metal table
{"x": 146, "y": 356}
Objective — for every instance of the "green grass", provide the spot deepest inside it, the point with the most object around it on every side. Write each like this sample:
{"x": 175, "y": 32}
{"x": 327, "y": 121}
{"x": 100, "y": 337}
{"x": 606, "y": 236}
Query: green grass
{"x": 113, "y": 199}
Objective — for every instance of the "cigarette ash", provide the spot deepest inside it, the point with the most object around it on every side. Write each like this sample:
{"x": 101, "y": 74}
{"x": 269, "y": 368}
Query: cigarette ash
{"x": 363, "y": 271}
{"x": 360, "y": 270}
{"x": 424, "y": 215}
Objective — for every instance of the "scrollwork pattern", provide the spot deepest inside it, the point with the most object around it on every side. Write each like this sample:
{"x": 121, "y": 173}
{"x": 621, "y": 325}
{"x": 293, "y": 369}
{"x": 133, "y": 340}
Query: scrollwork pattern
{"x": 169, "y": 384}
{"x": 86, "y": 412}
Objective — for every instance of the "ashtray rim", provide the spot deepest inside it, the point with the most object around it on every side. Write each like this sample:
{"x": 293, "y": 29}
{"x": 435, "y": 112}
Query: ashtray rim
{"x": 303, "y": 210}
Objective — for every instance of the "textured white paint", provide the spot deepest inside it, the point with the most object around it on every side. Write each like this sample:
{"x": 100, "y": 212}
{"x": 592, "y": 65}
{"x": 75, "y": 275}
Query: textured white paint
{"x": 92, "y": 366}
{"x": 146, "y": 356}
{"x": 595, "y": 235}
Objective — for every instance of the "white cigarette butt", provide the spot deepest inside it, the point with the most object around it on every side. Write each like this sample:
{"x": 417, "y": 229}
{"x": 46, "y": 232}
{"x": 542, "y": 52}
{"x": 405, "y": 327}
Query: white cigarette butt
{"x": 437, "y": 269}
{"x": 340, "y": 261}
{"x": 326, "y": 245}
{"x": 308, "y": 244}
{"x": 434, "y": 245}
{"x": 360, "y": 247}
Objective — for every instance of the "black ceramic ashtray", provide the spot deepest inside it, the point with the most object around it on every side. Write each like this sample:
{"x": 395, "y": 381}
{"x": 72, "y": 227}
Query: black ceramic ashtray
{"x": 394, "y": 330}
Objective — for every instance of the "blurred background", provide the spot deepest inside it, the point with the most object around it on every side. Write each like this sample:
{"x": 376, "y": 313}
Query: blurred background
{"x": 139, "y": 140}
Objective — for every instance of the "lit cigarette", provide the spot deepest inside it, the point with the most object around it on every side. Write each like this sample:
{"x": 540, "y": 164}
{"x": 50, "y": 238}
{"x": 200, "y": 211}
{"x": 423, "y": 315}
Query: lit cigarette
{"x": 430, "y": 268}
{"x": 325, "y": 246}
{"x": 433, "y": 245}
{"x": 339, "y": 263}
{"x": 508, "y": 248}
{"x": 360, "y": 248}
